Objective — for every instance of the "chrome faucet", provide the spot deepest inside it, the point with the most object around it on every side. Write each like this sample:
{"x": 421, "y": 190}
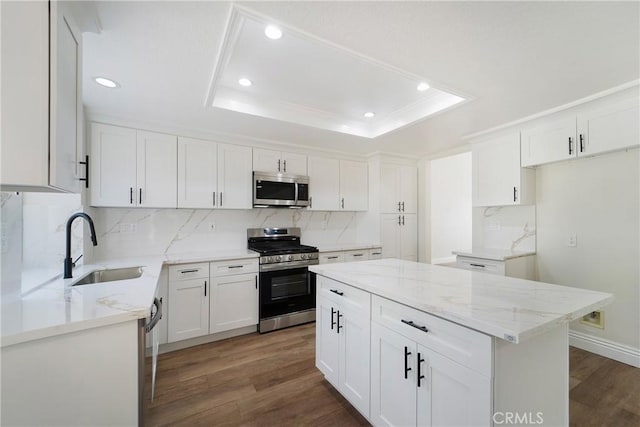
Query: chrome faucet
{"x": 68, "y": 262}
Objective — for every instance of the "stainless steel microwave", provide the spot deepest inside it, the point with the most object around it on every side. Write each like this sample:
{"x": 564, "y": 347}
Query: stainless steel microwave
{"x": 280, "y": 190}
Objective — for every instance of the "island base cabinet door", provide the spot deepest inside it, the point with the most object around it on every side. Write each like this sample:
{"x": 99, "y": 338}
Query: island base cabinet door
{"x": 393, "y": 385}
{"x": 354, "y": 370}
{"x": 451, "y": 394}
{"x": 234, "y": 302}
{"x": 188, "y": 309}
{"x": 328, "y": 341}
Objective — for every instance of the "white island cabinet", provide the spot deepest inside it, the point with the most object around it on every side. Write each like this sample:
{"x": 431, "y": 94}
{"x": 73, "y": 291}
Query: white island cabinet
{"x": 446, "y": 347}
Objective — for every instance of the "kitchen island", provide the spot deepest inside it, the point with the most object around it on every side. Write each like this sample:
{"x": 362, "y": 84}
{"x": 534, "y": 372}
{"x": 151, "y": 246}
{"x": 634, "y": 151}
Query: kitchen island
{"x": 417, "y": 344}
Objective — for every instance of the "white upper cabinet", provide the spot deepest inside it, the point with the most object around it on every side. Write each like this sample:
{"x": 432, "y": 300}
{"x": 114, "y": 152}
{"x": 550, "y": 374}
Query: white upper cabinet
{"x": 157, "y": 170}
{"x": 113, "y": 166}
{"x": 398, "y": 188}
{"x": 235, "y": 181}
{"x": 549, "y": 142}
{"x": 609, "y": 128}
{"x": 279, "y": 162}
{"x": 354, "y": 186}
{"x": 41, "y": 98}
{"x": 132, "y": 168}
{"x": 399, "y": 236}
{"x": 197, "y": 173}
{"x": 498, "y": 179}
{"x": 324, "y": 184}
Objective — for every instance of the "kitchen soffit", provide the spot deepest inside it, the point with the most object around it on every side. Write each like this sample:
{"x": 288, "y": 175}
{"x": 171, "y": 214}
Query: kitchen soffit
{"x": 302, "y": 79}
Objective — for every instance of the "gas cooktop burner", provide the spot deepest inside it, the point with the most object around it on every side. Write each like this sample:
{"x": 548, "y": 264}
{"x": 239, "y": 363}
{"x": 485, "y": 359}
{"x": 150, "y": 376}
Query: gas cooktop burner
{"x": 281, "y": 248}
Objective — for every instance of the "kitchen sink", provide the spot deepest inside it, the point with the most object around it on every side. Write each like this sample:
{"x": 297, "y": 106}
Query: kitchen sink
{"x": 110, "y": 275}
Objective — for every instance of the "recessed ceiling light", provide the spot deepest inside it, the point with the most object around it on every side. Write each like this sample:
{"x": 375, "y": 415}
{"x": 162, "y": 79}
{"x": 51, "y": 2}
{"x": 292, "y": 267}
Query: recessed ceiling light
{"x": 273, "y": 32}
{"x": 369, "y": 114}
{"x": 245, "y": 82}
{"x": 423, "y": 86}
{"x": 102, "y": 81}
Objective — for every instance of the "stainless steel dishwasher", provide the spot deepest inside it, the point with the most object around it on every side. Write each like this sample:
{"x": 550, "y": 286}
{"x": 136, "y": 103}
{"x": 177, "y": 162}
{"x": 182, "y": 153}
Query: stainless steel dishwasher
{"x": 145, "y": 327}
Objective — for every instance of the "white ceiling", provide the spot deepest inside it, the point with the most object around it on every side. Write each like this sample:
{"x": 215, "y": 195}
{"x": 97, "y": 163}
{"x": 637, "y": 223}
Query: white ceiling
{"x": 515, "y": 58}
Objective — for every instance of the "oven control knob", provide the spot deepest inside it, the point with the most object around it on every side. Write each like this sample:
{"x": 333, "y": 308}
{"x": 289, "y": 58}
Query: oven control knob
{"x": 303, "y": 256}
{"x": 269, "y": 259}
{"x": 277, "y": 258}
{"x": 289, "y": 257}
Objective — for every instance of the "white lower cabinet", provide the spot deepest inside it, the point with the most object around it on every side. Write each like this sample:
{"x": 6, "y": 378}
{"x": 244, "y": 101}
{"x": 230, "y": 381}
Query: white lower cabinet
{"x": 234, "y": 302}
{"x": 350, "y": 255}
{"x": 343, "y": 334}
{"x": 188, "y": 301}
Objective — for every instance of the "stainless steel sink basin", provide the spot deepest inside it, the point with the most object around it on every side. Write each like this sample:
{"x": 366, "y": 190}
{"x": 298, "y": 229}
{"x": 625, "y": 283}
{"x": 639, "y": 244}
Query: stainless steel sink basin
{"x": 110, "y": 275}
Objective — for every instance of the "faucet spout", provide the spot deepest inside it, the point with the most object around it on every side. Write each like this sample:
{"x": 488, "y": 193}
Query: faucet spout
{"x": 68, "y": 262}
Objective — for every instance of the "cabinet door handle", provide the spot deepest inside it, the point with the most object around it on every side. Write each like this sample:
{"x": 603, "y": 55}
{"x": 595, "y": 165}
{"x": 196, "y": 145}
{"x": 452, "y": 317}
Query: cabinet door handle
{"x": 189, "y": 271}
{"x": 284, "y": 166}
{"x": 515, "y": 194}
{"x": 581, "y": 144}
{"x": 278, "y": 165}
{"x": 86, "y": 171}
{"x": 221, "y": 198}
{"x": 140, "y": 202}
{"x": 333, "y": 323}
{"x": 339, "y": 326}
{"x": 335, "y": 291}
{"x": 407, "y": 353}
{"x": 399, "y": 223}
{"x": 342, "y": 203}
{"x": 310, "y": 202}
{"x": 214, "y": 198}
{"x": 402, "y": 206}
{"x": 414, "y": 325}
{"x": 399, "y": 207}
{"x": 570, "y": 146}
{"x": 256, "y": 277}
{"x": 420, "y": 376}
{"x": 205, "y": 288}
{"x": 402, "y": 219}
{"x": 130, "y": 195}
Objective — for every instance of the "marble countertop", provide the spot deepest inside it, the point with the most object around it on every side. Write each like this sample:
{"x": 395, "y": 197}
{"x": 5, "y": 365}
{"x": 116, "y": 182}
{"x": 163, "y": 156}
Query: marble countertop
{"x": 340, "y": 248}
{"x": 57, "y": 307}
{"x": 493, "y": 254}
{"x": 504, "y": 307}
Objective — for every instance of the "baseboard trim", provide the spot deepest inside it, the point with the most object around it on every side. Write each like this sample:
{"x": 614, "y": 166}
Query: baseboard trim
{"x": 612, "y": 350}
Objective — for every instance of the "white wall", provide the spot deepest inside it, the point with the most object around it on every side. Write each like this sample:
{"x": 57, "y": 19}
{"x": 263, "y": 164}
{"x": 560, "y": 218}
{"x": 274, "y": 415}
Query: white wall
{"x": 450, "y": 181}
{"x": 598, "y": 199}
{"x": 171, "y": 231}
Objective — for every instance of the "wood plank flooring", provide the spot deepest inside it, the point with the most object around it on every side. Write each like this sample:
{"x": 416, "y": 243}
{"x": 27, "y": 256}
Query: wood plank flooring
{"x": 271, "y": 380}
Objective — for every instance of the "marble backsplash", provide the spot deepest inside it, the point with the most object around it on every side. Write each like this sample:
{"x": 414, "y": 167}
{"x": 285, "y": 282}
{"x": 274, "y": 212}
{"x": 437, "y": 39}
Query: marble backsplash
{"x": 510, "y": 228}
{"x": 136, "y": 232}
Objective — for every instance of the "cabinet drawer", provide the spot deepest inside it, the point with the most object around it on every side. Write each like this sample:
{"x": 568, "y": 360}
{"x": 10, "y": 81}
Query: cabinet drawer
{"x": 460, "y": 344}
{"x": 375, "y": 253}
{"x": 480, "y": 264}
{"x": 344, "y": 294}
{"x": 331, "y": 257}
{"x": 362, "y": 255}
{"x": 189, "y": 271}
{"x": 238, "y": 266}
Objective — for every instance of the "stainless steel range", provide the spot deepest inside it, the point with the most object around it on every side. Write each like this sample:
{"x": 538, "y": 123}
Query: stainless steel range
{"x": 287, "y": 290}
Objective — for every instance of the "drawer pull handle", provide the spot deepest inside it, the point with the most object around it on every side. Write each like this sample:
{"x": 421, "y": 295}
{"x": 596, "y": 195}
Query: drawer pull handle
{"x": 407, "y": 353}
{"x": 410, "y": 323}
{"x": 478, "y": 265}
{"x": 376, "y": 253}
{"x": 335, "y": 291}
{"x": 358, "y": 254}
{"x": 420, "y": 376}
{"x": 235, "y": 266}
{"x": 332, "y": 257}
{"x": 189, "y": 271}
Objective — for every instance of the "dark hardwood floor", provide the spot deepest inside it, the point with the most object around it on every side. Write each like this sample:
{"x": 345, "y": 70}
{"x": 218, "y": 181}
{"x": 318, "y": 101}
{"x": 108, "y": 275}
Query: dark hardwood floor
{"x": 271, "y": 380}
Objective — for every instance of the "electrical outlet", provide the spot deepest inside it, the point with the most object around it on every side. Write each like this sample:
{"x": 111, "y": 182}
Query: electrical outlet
{"x": 127, "y": 228}
{"x": 212, "y": 227}
{"x": 572, "y": 242}
{"x": 595, "y": 319}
